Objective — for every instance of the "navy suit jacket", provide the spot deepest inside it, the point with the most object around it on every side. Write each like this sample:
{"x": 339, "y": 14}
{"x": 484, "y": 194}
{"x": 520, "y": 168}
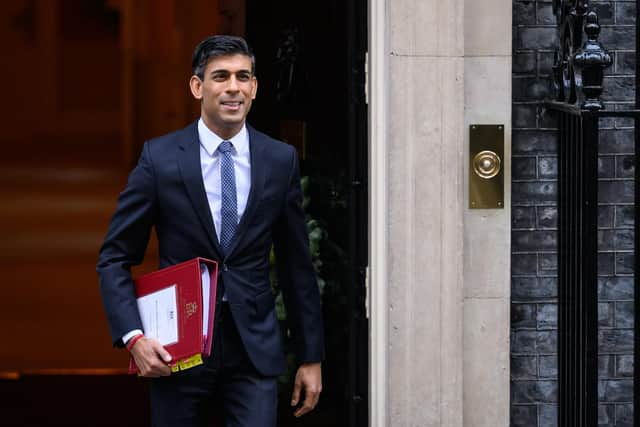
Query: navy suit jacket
{"x": 166, "y": 190}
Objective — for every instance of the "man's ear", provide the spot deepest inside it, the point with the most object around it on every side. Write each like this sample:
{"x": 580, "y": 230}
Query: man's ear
{"x": 254, "y": 89}
{"x": 195, "y": 84}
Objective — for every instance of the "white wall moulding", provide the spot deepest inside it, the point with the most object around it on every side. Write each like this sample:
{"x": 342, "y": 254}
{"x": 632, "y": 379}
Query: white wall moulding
{"x": 378, "y": 278}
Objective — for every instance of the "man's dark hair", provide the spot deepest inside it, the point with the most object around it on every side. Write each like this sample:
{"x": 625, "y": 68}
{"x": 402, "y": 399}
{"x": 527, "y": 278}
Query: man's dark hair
{"x": 215, "y": 46}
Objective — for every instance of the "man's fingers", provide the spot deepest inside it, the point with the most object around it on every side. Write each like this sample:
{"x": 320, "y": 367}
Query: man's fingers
{"x": 304, "y": 409}
{"x": 156, "y": 369}
{"x": 158, "y": 362}
{"x": 163, "y": 370}
{"x": 161, "y": 352}
{"x": 301, "y": 411}
{"x": 295, "y": 397}
{"x": 311, "y": 398}
{"x": 151, "y": 358}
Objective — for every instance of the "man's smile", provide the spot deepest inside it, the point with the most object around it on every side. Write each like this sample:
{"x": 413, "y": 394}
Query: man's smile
{"x": 232, "y": 105}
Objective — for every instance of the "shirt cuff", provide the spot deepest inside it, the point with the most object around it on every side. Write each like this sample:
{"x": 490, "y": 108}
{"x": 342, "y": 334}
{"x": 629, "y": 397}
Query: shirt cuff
{"x": 130, "y": 335}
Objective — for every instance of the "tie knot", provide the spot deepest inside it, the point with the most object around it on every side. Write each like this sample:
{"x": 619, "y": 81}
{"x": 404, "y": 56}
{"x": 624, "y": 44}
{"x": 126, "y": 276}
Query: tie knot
{"x": 225, "y": 147}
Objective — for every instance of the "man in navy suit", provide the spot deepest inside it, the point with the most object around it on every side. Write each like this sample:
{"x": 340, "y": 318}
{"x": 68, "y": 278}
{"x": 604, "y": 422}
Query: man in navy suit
{"x": 220, "y": 189}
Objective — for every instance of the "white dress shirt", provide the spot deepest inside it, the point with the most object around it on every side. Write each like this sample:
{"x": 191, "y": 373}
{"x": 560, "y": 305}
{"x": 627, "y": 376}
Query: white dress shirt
{"x": 210, "y": 167}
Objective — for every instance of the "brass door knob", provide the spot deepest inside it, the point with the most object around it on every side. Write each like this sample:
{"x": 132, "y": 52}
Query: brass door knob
{"x": 486, "y": 164}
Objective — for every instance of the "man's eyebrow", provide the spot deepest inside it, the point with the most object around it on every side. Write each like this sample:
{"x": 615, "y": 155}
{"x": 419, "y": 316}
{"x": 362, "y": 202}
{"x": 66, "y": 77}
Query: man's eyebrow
{"x": 225, "y": 71}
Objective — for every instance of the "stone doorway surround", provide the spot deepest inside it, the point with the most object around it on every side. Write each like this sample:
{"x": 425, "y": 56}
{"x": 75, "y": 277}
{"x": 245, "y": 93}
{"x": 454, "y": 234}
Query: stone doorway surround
{"x": 439, "y": 282}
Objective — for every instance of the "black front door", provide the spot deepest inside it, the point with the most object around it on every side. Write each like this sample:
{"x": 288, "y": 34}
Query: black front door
{"x": 311, "y": 93}
{"x": 358, "y": 213}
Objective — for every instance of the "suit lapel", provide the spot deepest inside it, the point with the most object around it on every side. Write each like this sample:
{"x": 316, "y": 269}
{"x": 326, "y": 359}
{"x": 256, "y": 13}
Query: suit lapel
{"x": 190, "y": 170}
{"x": 256, "y": 147}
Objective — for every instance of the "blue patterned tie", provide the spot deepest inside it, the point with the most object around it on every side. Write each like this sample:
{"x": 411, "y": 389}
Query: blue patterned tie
{"x": 229, "y": 205}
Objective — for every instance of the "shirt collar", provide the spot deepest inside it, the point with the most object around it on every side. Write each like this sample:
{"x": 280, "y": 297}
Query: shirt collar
{"x": 210, "y": 141}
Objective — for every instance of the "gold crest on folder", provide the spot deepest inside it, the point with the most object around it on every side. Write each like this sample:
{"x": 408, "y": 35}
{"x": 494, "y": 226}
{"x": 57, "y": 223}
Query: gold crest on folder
{"x": 190, "y": 308}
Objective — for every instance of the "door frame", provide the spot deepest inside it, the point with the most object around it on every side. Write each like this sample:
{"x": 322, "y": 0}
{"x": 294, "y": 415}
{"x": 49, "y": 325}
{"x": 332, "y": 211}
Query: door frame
{"x": 377, "y": 275}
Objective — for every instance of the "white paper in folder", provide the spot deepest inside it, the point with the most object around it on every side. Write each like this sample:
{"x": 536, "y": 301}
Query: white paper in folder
{"x": 158, "y": 312}
{"x": 206, "y": 293}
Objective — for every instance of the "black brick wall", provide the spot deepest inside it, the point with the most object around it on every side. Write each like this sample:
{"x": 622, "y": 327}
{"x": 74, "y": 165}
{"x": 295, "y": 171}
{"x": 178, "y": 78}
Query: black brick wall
{"x": 534, "y": 363}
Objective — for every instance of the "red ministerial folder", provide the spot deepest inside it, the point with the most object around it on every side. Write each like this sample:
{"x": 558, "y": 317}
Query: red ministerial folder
{"x": 172, "y": 310}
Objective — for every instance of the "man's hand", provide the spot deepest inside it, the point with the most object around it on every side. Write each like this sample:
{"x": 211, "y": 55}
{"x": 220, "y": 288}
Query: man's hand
{"x": 151, "y": 358}
{"x": 309, "y": 379}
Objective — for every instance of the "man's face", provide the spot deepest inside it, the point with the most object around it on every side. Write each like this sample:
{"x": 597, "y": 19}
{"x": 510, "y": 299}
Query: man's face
{"x": 226, "y": 93}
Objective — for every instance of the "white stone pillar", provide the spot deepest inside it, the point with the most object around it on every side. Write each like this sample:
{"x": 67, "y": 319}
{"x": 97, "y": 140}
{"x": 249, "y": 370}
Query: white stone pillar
{"x": 439, "y": 271}
{"x": 425, "y": 152}
{"x": 487, "y": 232}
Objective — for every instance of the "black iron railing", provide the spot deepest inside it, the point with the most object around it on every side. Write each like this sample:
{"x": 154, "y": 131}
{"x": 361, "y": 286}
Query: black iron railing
{"x": 578, "y": 74}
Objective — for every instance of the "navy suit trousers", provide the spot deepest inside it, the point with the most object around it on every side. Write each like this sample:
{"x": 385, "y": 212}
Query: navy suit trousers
{"x": 225, "y": 391}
